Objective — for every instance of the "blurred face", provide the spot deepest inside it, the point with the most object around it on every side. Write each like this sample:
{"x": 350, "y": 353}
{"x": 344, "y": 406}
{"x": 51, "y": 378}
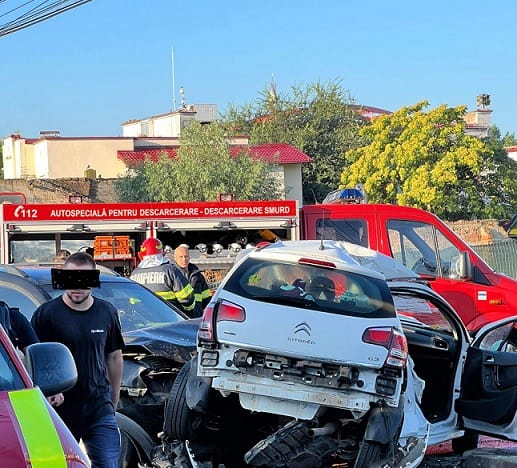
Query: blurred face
{"x": 181, "y": 256}
{"x": 77, "y": 297}
{"x": 61, "y": 257}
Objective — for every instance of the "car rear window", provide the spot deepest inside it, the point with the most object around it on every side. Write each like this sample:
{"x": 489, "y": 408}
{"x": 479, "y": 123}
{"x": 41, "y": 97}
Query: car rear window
{"x": 328, "y": 290}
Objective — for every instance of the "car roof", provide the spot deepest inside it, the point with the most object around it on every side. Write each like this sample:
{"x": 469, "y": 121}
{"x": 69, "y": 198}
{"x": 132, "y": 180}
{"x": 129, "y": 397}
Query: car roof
{"x": 25, "y": 284}
{"x": 17, "y": 266}
{"x": 344, "y": 254}
{"x": 40, "y": 273}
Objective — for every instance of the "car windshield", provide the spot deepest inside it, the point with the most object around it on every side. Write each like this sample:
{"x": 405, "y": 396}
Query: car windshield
{"x": 137, "y": 306}
{"x": 306, "y": 285}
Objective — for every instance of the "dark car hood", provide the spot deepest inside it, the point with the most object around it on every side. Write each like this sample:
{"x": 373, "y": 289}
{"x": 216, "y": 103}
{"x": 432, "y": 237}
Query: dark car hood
{"x": 178, "y": 338}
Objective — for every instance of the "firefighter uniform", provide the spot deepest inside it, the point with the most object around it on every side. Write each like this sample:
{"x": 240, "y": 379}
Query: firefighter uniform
{"x": 198, "y": 282}
{"x": 164, "y": 279}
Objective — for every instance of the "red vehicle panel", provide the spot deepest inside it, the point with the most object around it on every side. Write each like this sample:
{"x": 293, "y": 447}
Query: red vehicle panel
{"x": 32, "y": 432}
{"x": 424, "y": 243}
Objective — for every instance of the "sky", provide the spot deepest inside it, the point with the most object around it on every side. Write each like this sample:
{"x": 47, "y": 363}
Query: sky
{"x": 88, "y": 70}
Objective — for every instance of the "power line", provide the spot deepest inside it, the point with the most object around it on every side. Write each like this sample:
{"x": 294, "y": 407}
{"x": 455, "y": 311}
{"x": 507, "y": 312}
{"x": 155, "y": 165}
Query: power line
{"x": 34, "y": 14}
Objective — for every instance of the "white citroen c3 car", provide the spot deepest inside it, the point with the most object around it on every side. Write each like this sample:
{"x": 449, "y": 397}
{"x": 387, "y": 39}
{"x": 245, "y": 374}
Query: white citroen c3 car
{"x": 313, "y": 353}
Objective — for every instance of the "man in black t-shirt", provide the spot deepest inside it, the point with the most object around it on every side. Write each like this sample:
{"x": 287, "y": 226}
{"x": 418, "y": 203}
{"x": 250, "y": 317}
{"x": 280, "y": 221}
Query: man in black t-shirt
{"x": 90, "y": 328}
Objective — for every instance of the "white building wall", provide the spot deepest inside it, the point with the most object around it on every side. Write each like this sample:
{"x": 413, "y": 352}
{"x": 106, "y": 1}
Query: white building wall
{"x": 41, "y": 160}
{"x": 163, "y": 126}
{"x": 292, "y": 182}
{"x": 9, "y": 158}
{"x": 19, "y": 150}
{"x": 170, "y": 125}
{"x": 132, "y": 129}
{"x": 18, "y": 158}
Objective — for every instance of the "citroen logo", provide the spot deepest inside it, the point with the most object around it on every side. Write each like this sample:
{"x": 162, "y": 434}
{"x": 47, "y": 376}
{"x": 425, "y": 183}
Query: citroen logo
{"x": 303, "y": 327}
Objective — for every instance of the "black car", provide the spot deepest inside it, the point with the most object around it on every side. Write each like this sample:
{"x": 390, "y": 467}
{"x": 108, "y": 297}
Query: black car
{"x": 159, "y": 340}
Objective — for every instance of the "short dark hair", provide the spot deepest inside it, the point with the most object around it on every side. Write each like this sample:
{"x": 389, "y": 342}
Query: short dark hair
{"x": 81, "y": 258}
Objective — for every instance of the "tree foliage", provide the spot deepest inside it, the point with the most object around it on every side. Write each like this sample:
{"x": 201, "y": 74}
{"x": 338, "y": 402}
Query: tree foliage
{"x": 498, "y": 178}
{"x": 204, "y": 168}
{"x": 133, "y": 187}
{"x": 317, "y": 119}
{"x": 426, "y": 160}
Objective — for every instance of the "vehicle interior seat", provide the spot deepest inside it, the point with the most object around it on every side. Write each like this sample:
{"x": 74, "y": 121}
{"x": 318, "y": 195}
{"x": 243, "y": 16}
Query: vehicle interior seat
{"x": 323, "y": 288}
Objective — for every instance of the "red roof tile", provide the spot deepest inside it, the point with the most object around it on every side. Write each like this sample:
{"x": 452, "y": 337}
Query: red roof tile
{"x": 280, "y": 153}
{"x": 131, "y": 157}
{"x": 285, "y": 153}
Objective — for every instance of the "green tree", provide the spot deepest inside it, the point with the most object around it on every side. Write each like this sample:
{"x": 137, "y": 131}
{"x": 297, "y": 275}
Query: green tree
{"x": 133, "y": 187}
{"x": 497, "y": 178}
{"x": 205, "y": 167}
{"x": 317, "y": 119}
{"x": 422, "y": 159}
{"x": 508, "y": 139}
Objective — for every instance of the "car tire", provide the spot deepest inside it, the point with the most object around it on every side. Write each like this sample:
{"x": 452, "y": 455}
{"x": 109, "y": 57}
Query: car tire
{"x": 180, "y": 422}
{"x": 136, "y": 446}
{"x": 128, "y": 457}
{"x": 368, "y": 454}
{"x": 467, "y": 441}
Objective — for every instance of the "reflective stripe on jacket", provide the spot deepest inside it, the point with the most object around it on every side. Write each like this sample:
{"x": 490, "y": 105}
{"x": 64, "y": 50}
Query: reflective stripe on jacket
{"x": 199, "y": 285}
{"x": 168, "y": 282}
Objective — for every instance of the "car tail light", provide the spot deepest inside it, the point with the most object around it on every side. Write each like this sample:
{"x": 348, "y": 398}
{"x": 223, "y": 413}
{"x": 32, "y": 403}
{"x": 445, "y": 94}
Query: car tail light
{"x": 230, "y": 312}
{"x": 316, "y": 262}
{"x": 206, "y": 327}
{"x": 216, "y": 313}
{"x": 391, "y": 339}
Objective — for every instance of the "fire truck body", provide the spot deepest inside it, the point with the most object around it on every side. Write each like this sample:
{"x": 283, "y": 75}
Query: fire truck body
{"x": 113, "y": 232}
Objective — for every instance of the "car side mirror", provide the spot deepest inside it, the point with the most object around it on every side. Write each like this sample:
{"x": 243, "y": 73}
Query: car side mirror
{"x": 461, "y": 267}
{"x": 51, "y": 367}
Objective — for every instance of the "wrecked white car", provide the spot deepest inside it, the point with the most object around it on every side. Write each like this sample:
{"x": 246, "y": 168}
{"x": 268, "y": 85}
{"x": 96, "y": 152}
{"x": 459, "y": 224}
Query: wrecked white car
{"x": 311, "y": 354}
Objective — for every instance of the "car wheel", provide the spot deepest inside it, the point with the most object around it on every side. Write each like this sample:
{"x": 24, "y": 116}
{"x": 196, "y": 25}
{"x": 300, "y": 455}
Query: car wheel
{"x": 368, "y": 453}
{"x": 128, "y": 456}
{"x": 181, "y": 423}
{"x": 468, "y": 441}
{"x": 136, "y": 445}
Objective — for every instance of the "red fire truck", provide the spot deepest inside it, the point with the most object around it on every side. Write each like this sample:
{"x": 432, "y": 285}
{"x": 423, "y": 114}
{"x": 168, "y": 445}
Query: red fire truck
{"x": 214, "y": 231}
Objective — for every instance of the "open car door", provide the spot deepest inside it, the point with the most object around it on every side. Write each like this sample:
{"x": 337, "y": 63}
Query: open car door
{"x": 488, "y": 400}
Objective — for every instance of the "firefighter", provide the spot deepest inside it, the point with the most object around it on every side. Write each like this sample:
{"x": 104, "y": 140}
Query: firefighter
{"x": 166, "y": 280}
{"x": 195, "y": 277}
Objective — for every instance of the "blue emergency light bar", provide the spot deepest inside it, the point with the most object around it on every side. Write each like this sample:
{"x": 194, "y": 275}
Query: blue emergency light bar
{"x": 347, "y": 195}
